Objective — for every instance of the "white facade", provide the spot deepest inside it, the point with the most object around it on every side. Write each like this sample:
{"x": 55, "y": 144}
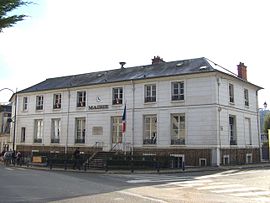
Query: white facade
{"x": 205, "y": 105}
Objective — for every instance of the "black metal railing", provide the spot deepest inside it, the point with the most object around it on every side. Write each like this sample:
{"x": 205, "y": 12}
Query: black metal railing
{"x": 55, "y": 140}
{"x": 177, "y": 141}
{"x": 37, "y": 140}
{"x": 80, "y": 141}
{"x": 149, "y": 141}
{"x": 149, "y": 99}
{"x": 233, "y": 142}
{"x": 177, "y": 97}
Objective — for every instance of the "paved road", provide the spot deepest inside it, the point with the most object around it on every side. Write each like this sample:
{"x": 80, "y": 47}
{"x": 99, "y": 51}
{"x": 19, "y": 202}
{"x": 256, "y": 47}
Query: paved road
{"x": 25, "y": 185}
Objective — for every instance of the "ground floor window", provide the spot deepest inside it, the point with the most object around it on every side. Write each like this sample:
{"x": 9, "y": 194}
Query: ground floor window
{"x": 117, "y": 129}
{"x": 226, "y": 160}
{"x": 248, "y": 158}
{"x": 150, "y": 129}
{"x": 38, "y": 131}
{"x": 202, "y": 162}
{"x": 80, "y": 130}
{"x": 56, "y": 129}
{"x": 178, "y": 129}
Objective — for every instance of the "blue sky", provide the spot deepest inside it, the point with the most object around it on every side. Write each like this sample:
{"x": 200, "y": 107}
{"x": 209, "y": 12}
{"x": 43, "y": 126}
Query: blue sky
{"x": 64, "y": 37}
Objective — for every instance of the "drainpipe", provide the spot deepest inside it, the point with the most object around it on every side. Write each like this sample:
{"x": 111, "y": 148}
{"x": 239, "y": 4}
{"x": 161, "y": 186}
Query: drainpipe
{"x": 219, "y": 139}
{"x": 133, "y": 106}
{"x": 258, "y": 126}
{"x": 66, "y": 145}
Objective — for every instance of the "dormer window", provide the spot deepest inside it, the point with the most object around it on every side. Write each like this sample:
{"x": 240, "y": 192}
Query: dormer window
{"x": 81, "y": 98}
{"x": 57, "y": 101}
{"x": 117, "y": 94}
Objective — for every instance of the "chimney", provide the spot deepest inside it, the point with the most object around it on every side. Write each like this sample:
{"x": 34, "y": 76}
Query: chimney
{"x": 157, "y": 60}
{"x": 242, "y": 71}
{"x": 122, "y": 64}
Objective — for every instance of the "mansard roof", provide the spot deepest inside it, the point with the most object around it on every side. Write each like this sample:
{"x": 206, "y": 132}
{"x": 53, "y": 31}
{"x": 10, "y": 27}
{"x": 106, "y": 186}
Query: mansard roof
{"x": 162, "y": 69}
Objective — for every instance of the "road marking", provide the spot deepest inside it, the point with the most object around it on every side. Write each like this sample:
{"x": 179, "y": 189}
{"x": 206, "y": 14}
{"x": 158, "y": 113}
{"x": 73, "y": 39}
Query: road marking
{"x": 233, "y": 190}
{"x": 141, "y": 196}
{"x": 211, "y": 187}
{"x": 10, "y": 169}
{"x": 22, "y": 169}
{"x": 250, "y": 194}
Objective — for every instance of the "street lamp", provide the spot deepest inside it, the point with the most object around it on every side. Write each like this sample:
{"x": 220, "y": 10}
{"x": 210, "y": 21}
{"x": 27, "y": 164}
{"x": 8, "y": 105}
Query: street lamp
{"x": 15, "y": 113}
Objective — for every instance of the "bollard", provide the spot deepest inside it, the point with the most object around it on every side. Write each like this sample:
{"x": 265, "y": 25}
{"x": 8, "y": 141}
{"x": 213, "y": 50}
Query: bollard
{"x": 131, "y": 166}
{"x": 65, "y": 164}
{"x": 158, "y": 167}
{"x": 183, "y": 166}
{"x": 84, "y": 167}
{"x": 50, "y": 164}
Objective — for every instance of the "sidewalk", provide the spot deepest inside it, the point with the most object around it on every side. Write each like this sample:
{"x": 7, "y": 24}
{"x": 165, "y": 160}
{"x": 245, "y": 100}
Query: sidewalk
{"x": 161, "y": 171}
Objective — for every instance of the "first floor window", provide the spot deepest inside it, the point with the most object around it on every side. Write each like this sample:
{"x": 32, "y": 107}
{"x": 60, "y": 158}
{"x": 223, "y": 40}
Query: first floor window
{"x": 25, "y": 103}
{"x": 23, "y": 134}
{"x": 56, "y": 129}
{"x": 246, "y": 97}
{"x": 150, "y": 93}
{"x": 81, "y": 98}
{"x": 232, "y": 125}
{"x": 39, "y": 103}
{"x": 231, "y": 93}
{"x": 80, "y": 130}
{"x": 116, "y": 129}
{"x": 57, "y": 101}
{"x": 150, "y": 129}
{"x": 178, "y": 91}
{"x": 178, "y": 129}
{"x": 38, "y": 131}
{"x": 117, "y": 95}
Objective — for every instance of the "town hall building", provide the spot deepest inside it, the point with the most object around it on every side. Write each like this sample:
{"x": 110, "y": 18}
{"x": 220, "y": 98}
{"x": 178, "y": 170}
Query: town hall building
{"x": 191, "y": 110}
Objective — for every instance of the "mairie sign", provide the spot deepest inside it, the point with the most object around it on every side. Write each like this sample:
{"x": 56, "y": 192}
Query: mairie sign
{"x": 98, "y": 107}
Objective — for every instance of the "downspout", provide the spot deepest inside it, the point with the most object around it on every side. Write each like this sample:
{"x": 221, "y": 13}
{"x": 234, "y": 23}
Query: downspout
{"x": 219, "y": 110}
{"x": 258, "y": 126}
{"x": 66, "y": 145}
{"x": 133, "y": 116}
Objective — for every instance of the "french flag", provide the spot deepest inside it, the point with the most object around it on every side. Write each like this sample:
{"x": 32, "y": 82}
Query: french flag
{"x": 124, "y": 120}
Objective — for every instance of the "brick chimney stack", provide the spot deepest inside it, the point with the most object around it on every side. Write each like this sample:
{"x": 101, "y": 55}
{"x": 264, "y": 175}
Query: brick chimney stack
{"x": 242, "y": 71}
{"x": 157, "y": 60}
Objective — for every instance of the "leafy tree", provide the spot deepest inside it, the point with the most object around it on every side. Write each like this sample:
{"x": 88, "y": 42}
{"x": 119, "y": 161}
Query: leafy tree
{"x": 266, "y": 123}
{"x": 7, "y": 6}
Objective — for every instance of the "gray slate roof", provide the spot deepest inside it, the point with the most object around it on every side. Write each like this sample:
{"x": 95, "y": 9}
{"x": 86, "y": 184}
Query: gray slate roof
{"x": 165, "y": 69}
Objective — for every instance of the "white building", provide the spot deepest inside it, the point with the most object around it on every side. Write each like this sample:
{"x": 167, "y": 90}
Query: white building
{"x": 187, "y": 109}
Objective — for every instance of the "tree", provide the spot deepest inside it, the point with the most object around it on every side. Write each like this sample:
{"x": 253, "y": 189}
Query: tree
{"x": 266, "y": 123}
{"x": 7, "y": 6}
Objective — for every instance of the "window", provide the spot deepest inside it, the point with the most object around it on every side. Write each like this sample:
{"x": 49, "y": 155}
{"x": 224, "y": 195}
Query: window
{"x": 80, "y": 130}
{"x": 116, "y": 129}
{"x": 150, "y": 93}
{"x": 25, "y": 103}
{"x": 38, "y": 131}
{"x": 249, "y": 158}
{"x": 117, "y": 95}
{"x": 247, "y": 126}
{"x": 231, "y": 93}
{"x": 57, "y": 101}
{"x": 232, "y": 124}
{"x": 81, "y": 98}
{"x": 56, "y": 129}
{"x": 178, "y": 129}
{"x": 246, "y": 97}
{"x": 23, "y": 134}
{"x": 39, "y": 103}
{"x": 178, "y": 91}
{"x": 226, "y": 159}
{"x": 150, "y": 129}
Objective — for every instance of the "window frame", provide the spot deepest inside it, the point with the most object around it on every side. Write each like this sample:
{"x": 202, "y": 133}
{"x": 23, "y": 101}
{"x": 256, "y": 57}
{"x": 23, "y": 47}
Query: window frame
{"x": 181, "y": 129}
{"x": 150, "y": 135}
{"x": 231, "y": 93}
{"x": 55, "y": 139}
{"x": 246, "y": 97}
{"x": 57, "y": 101}
{"x": 180, "y": 95}
{"x": 25, "y": 103}
{"x": 150, "y": 95}
{"x": 81, "y": 131}
{"x": 232, "y": 130}
{"x": 23, "y": 133}
{"x": 39, "y": 102}
{"x": 117, "y": 134}
{"x": 81, "y": 98}
{"x": 117, "y": 95}
{"x": 38, "y": 130}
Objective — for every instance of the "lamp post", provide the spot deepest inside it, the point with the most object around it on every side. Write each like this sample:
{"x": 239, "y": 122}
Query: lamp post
{"x": 15, "y": 113}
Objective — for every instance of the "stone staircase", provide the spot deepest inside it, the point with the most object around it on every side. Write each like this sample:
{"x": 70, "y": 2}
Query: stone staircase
{"x": 98, "y": 159}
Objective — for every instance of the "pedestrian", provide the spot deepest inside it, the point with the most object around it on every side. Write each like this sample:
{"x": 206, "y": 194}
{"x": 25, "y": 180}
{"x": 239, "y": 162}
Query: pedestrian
{"x": 7, "y": 157}
{"x": 76, "y": 156}
{"x": 18, "y": 158}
